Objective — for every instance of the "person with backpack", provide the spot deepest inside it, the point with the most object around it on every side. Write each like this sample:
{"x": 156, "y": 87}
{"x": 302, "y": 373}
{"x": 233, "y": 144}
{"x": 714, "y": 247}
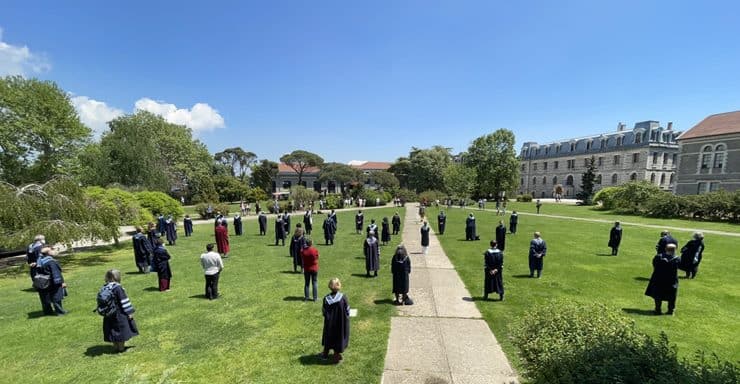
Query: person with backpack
{"x": 117, "y": 311}
{"x": 49, "y": 282}
{"x": 34, "y": 252}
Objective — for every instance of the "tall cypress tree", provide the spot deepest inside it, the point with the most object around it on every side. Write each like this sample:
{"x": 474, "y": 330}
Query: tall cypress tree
{"x": 587, "y": 182}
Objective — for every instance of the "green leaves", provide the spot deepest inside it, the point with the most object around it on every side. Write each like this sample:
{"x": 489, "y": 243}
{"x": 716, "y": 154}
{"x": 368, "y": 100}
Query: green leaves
{"x": 495, "y": 162}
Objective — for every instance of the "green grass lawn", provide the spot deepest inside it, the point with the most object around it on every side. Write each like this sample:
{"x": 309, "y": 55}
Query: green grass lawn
{"x": 577, "y": 267}
{"x": 259, "y": 331}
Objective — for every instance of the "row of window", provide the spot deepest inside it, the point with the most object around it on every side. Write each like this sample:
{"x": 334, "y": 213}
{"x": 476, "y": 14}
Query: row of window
{"x": 616, "y": 160}
{"x": 615, "y": 179}
{"x": 713, "y": 157}
{"x": 705, "y": 187}
{"x": 619, "y": 141}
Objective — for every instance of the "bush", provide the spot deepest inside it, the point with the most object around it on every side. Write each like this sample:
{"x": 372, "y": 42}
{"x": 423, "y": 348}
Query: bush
{"x": 407, "y": 195}
{"x": 604, "y": 198}
{"x": 431, "y": 196}
{"x": 158, "y": 202}
{"x": 566, "y": 342}
{"x": 371, "y": 195}
{"x": 202, "y": 210}
{"x": 634, "y": 196}
{"x": 334, "y": 201}
{"x": 526, "y": 198}
{"x": 130, "y": 212}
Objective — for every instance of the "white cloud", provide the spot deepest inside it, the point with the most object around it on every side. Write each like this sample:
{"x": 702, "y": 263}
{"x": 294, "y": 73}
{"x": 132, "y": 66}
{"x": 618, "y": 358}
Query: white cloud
{"x": 95, "y": 114}
{"x": 19, "y": 60}
{"x": 201, "y": 117}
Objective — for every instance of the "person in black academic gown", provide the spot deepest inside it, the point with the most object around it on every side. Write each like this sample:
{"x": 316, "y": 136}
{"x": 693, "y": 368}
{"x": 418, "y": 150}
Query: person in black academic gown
{"x": 615, "y": 237}
{"x": 238, "y": 229}
{"x": 142, "y": 251}
{"x": 119, "y": 327}
{"x": 297, "y": 243}
{"x": 308, "y": 221}
{"x": 537, "y": 251}
{"x": 424, "y": 231}
{"x": 286, "y": 224}
{"x": 501, "y": 236}
{"x": 161, "y": 261}
{"x": 665, "y": 239}
{"x": 187, "y": 223}
{"x": 52, "y": 296}
{"x": 333, "y": 217}
{"x": 336, "y": 322}
{"x": 385, "y": 233}
{"x": 663, "y": 285}
{"x": 441, "y": 222}
{"x": 470, "y": 227}
{"x": 152, "y": 235}
{"x": 372, "y": 227}
{"x": 171, "y": 230}
{"x": 262, "y": 220}
{"x": 691, "y": 255}
{"x": 372, "y": 254}
{"x": 279, "y": 230}
{"x": 161, "y": 224}
{"x": 396, "y": 222}
{"x": 493, "y": 271}
{"x": 329, "y": 230}
{"x": 359, "y": 221}
{"x": 401, "y": 268}
{"x": 513, "y": 221}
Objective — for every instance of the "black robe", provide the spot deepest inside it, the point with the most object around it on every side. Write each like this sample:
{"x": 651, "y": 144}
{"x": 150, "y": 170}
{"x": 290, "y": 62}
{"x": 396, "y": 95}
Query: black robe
{"x": 663, "y": 283}
{"x": 308, "y": 223}
{"x": 297, "y": 243}
{"x": 262, "y": 220}
{"x": 161, "y": 224}
{"x": 501, "y": 237}
{"x": 385, "y": 233}
{"x": 329, "y": 229}
{"x": 615, "y": 237}
{"x": 279, "y": 231}
{"x": 441, "y": 223}
{"x": 537, "y": 246}
{"x": 372, "y": 228}
{"x": 470, "y": 228}
{"x": 54, "y": 293}
{"x": 401, "y": 270}
{"x": 286, "y": 222}
{"x": 118, "y": 328}
{"x": 493, "y": 259}
{"x": 359, "y": 221}
{"x": 425, "y": 236}
{"x": 161, "y": 261}
{"x": 142, "y": 252}
{"x": 333, "y": 217}
{"x": 663, "y": 242}
{"x": 513, "y": 221}
{"x": 396, "y": 222}
{"x": 152, "y": 236}
{"x": 691, "y": 255}
{"x": 187, "y": 223}
{"x": 171, "y": 231}
{"x": 238, "y": 230}
{"x": 336, "y": 322}
{"x": 372, "y": 254}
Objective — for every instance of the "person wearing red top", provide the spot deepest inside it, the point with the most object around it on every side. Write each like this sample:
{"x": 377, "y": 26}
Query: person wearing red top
{"x": 310, "y": 258}
{"x": 222, "y": 239}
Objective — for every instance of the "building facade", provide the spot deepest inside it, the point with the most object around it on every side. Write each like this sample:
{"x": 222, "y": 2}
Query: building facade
{"x": 646, "y": 152}
{"x": 287, "y": 177}
{"x": 709, "y": 158}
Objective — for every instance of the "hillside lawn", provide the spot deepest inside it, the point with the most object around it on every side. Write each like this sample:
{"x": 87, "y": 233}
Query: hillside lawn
{"x": 578, "y": 267}
{"x": 259, "y": 331}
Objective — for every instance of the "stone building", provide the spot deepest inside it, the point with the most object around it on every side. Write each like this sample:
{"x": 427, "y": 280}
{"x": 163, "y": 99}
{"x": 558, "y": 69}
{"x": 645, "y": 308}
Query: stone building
{"x": 646, "y": 152}
{"x": 287, "y": 177}
{"x": 709, "y": 157}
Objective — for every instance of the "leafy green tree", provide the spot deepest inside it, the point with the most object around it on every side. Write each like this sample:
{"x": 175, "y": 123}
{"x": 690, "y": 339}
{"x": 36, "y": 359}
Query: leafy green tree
{"x": 303, "y": 195}
{"x": 130, "y": 212}
{"x": 494, "y": 159}
{"x": 40, "y": 131}
{"x": 263, "y": 173}
{"x": 59, "y": 209}
{"x": 238, "y": 160}
{"x": 341, "y": 173}
{"x": 159, "y": 202}
{"x": 587, "y": 182}
{"x": 459, "y": 180}
{"x": 300, "y": 160}
{"x": 427, "y": 167}
{"x": 401, "y": 169}
{"x": 230, "y": 188}
{"x": 386, "y": 180}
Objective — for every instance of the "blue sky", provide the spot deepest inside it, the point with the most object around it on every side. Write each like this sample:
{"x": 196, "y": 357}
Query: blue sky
{"x": 369, "y": 80}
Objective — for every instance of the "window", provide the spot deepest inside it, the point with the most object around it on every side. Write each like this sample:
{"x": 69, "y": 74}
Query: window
{"x": 544, "y": 165}
{"x": 706, "y": 157}
{"x": 616, "y": 159}
{"x": 615, "y": 179}
{"x": 665, "y": 158}
{"x": 671, "y": 179}
{"x": 547, "y": 150}
{"x": 555, "y": 164}
{"x": 598, "y": 179}
{"x": 638, "y": 137}
{"x": 635, "y": 158}
{"x": 585, "y": 162}
{"x": 554, "y": 180}
{"x": 714, "y": 186}
{"x": 675, "y": 156}
{"x": 557, "y": 149}
{"x": 719, "y": 156}
{"x": 662, "y": 179}
{"x": 286, "y": 184}
{"x": 522, "y": 181}
{"x": 701, "y": 188}
{"x": 571, "y": 164}
{"x": 655, "y": 157}
{"x": 534, "y": 181}
{"x": 544, "y": 180}
{"x": 572, "y": 147}
{"x": 534, "y": 166}
{"x": 588, "y": 145}
{"x": 652, "y": 178}
{"x": 537, "y": 151}
{"x": 524, "y": 167}
{"x": 601, "y": 161}
{"x": 619, "y": 141}
{"x": 633, "y": 176}
{"x": 603, "y": 144}
{"x": 569, "y": 181}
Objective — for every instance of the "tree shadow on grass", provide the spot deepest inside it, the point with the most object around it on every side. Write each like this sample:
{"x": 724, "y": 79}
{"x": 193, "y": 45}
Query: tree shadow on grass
{"x": 293, "y": 298}
{"x": 640, "y": 278}
{"x": 522, "y": 276}
{"x": 83, "y": 260}
{"x": 36, "y": 314}
{"x": 639, "y": 311}
{"x": 314, "y": 360}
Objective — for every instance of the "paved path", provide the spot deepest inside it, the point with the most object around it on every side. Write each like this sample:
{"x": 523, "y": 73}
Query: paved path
{"x": 442, "y": 338}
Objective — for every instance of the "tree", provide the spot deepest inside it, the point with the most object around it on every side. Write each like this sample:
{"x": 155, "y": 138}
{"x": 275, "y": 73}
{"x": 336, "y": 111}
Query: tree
{"x": 300, "y": 160}
{"x": 304, "y": 195}
{"x": 401, "y": 169}
{"x": 386, "y": 180}
{"x": 459, "y": 180}
{"x": 59, "y": 209}
{"x": 494, "y": 159}
{"x": 238, "y": 160}
{"x": 340, "y": 173}
{"x": 587, "y": 182}
{"x": 427, "y": 166}
{"x": 230, "y": 188}
{"x": 40, "y": 131}
{"x": 263, "y": 173}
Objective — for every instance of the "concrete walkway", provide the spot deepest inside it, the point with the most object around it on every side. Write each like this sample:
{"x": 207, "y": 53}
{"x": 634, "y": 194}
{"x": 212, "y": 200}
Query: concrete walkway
{"x": 442, "y": 338}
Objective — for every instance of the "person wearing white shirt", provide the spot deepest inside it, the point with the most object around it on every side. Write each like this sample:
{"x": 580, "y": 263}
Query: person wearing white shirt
{"x": 212, "y": 266}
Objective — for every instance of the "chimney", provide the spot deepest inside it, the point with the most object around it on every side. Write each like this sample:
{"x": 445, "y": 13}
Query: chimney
{"x": 670, "y": 125}
{"x": 620, "y": 126}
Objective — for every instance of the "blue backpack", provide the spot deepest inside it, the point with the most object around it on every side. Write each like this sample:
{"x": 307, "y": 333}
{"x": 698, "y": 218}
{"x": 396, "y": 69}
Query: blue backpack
{"x": 107, "y": 301}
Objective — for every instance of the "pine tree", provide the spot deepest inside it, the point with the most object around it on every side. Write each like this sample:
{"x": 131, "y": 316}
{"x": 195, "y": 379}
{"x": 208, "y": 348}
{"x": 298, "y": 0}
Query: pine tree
{"x": 587, "y": 182}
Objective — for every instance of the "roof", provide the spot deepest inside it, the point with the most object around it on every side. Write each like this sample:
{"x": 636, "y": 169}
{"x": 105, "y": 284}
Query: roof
{"x": 372, "y": 166}
{"x": 714, "y": 125}
{"x": 285, "y": 168}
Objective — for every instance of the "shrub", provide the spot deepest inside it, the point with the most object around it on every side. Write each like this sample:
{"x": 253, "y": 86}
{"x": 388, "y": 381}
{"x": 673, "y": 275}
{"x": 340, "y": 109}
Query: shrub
{"x": 431, "y": 196}
{"x": 566, "y": 342}
{"x": 370, "y": 195}
{"x": 202, "y": 209}
{"x": 334, "y": 201}
{"x": 407, "y": 195}
{"x": 633, "y": 196}
{"x": 158, "y": 202}
{"x": 526, "y": 198}
{"x": 130, "y": 212}
{"x": 604, "y": 198}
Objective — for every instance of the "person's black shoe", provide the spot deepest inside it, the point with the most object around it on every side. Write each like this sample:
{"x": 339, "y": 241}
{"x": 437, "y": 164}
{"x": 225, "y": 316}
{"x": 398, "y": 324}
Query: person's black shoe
{"x": 485, "y": 297}
{"x": 501, "y": 298}
{"x": 670, "y": 312}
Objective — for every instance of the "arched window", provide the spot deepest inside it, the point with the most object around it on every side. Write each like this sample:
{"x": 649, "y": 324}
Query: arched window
{"x": 633, "y": 176}
{"x": 652, "y": 178}
{"x": 615, "y": 179}
{"x": 554, "y": 180}
{"x": 534, "y": 181}
{"x": 706, "y": 157}
{"x": 544, "y": 180}
{"x": 598, "y": 179}
{"x": 665, "y": 158}
{"x": 671, "y": 179}
{"x": 522, "y": 183}
{"x": 569, "y": 181}
{"x": 638, "y": 137}
{"x": 719, "y": 156}
{"x": 662, "y": 179}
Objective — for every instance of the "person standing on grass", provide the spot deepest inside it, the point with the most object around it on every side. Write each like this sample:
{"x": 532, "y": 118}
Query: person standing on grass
{"x": 187, "y": 223}
{"x": 422, "y": 211}
{"x": 171, "y": 230}
{"x": 308, "y": 221}
{"x": 53, "y": 291}
{"x": 286, "y": 224}
{"x": 396, "y": 222}
{"x": 501, "y": 236}
{"x": 142, "y": 251}
{"x": 401, "y": 268}
{"x": 615, "y": 237}
{"x": 336, "y": 322}
{"x": 310, "y": 262}
{"x": 493, "y": 280}
{"x": 470, "y": 227}
{"x": 385, "y": 232}
{"x": 297, "y": 243}
{"x": 513, "y": 221}
{"x": 279, "y": 230}
{"x": 262, "y": 220}
{"x": 691, "y": 255}
{"x": 537, "y": 252}
{"x": 119, "y": 327}
{"x": 161, "y": 261}
{"x": 333, "y": 217}
{"x": 161, "y": 224}
{"x": 665, "y": 239}
{"x": 34, "y": 252}
{"x": 441, "y": 222}
{"x": 238, "y": 229}
{"x": 538, "y": 204}
{"x": 359, "y": 221}
{"x": 372, "y": 254}
{"x": 222, "y": 239}
{"x": 212, "y": 266}
{"x": 663, "y": 285}
{"x": 152, "y": 235}
{"x": 425, "y": 228}
{"x": 372, "y": 227}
